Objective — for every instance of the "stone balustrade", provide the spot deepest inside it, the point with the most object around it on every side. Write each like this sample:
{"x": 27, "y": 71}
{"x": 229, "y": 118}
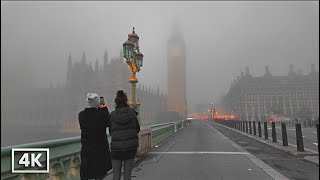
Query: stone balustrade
{"x": 65, "y": 153}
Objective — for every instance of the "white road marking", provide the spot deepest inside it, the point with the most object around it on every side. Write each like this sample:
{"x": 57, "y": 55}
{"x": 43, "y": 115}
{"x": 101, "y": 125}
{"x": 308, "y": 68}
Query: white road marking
{"x": 314, "y": 132}
{"x": 315, "y": 144}
{"x": 200, "y": 152}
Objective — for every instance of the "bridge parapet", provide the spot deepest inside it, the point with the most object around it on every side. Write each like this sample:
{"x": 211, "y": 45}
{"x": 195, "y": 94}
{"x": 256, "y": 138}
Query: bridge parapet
{"x": 65, "y": 153}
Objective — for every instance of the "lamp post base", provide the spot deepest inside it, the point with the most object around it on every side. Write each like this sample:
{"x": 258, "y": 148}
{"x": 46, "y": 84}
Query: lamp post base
{"x": 133, "y": 103}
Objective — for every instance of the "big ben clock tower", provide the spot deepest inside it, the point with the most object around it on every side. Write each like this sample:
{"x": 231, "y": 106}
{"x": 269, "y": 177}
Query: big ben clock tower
{"x": 176, "y": 60}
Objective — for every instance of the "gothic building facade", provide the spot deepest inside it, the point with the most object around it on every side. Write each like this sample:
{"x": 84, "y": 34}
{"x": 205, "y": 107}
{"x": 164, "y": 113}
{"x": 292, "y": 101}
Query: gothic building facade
{"x": 59, "y": 105}
{"x": 105, "y": 80}
{"x": 291, "y": 96}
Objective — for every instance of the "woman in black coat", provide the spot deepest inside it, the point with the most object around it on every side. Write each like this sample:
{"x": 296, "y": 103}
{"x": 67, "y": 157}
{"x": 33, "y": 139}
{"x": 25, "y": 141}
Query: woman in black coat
{"x": 124, "y": 129}
{"x": 95, "y": 153}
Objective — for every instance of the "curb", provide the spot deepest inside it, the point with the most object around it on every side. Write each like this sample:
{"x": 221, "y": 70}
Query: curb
{"x": 291, "y": 149}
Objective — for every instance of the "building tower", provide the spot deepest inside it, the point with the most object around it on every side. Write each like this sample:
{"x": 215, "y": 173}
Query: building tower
{"x": 176, "y": 61}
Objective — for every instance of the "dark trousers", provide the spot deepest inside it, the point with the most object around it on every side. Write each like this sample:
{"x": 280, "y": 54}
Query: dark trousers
{"x": 117, "y": 166}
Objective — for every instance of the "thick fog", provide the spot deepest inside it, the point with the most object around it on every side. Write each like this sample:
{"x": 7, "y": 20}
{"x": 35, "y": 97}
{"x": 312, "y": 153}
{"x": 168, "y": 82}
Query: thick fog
{"x": 221, "y": 39}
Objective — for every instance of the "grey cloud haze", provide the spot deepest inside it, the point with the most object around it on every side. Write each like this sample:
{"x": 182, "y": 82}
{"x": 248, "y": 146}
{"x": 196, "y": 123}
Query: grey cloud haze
{"x": 221, "y": 38}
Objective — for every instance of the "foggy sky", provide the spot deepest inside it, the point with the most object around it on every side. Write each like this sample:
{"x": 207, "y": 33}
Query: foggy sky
{"x": 221, "y": 38}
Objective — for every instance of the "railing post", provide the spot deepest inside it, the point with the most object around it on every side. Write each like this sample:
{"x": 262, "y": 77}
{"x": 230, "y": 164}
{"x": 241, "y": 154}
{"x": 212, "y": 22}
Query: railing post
{"x": 254, "y": 128}
{"x": 259, "y": 129}
{"x": 300, "y": 145}
{"x": 250, "y": 127}
{"x": 284, "y": 134}
{"x": 265, "y": 130}
{"x": 317, "y": 125}
{"x": 246, "y": 126}
{"x": 274, "y": 133}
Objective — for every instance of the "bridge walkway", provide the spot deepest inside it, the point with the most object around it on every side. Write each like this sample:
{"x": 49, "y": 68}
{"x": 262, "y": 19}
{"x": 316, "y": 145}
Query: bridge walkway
{"x": 199, "y": 152}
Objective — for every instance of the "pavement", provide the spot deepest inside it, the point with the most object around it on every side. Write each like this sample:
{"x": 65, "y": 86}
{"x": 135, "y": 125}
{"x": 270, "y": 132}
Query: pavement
{"x": 292, "y": 166}
{"x": 310, "y": 155}
{"x": 199, "y": 151}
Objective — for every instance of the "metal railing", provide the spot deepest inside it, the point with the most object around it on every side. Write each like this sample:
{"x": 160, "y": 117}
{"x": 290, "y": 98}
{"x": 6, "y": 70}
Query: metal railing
{"x": 65, "y": 153}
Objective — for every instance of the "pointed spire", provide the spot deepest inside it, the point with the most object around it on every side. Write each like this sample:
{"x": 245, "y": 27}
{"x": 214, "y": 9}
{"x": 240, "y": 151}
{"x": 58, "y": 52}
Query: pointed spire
{"x": 247, "y": 72}
{"x": 69, "y": 68}
{"x": 176, "y": 32}
{"x": 105, "y": 60}
{"x": 69, "y": 61}
{"x": 96, "y": 66}
{"x": 83, "y": 58}
{"x": 267, "y": 72}
{"x": 242, "y": 74}
{"x": 291, "y": 71}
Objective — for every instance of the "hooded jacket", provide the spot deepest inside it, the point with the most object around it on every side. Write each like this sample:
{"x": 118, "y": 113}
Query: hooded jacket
{"x": 124, "y": 129}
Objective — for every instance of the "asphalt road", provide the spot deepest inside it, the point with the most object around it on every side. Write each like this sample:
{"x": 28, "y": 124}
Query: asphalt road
{"x": 197, "y": 152}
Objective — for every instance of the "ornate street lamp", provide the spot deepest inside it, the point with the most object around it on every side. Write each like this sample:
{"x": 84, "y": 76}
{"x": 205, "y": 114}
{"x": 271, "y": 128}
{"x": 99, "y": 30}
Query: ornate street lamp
{"x": 134, "y": 59}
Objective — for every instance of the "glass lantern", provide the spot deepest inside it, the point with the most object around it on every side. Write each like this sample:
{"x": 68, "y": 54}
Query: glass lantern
{"x": 139, "y": 59}
{"x": 128, "y": 49}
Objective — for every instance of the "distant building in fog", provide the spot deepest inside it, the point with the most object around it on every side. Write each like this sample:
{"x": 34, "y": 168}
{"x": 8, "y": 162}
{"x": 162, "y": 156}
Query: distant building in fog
{"x": 60, "y": 105}
{"x": 286, "y": 96}
{"x": 105, "y": 80}
{"x": 176, "y": 60}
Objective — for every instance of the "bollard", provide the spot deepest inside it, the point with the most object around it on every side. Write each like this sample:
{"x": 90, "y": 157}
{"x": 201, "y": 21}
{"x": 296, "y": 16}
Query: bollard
{"x": 300, "y": 146}
{"x": 247, "y": 127}
{"x": 243, "y": 126}
{"x": 250, "y": 127}
{"x": 317, "y": 125}
{"x": 259, "y": 129}
{"x": 254, "y": 128}
{"x": 274, "y": 132}
{"x": 284, "y": 134}
{"x": 265, "y": 130}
